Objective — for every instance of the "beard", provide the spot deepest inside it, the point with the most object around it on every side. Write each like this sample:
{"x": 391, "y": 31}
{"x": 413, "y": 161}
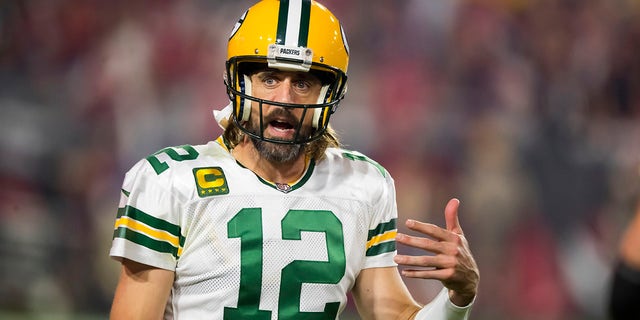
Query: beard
{"x": 278, "y": 152}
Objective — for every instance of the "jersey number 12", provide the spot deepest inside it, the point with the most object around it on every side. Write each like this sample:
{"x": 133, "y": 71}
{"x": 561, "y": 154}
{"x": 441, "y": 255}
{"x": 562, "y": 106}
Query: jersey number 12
{"x": 247, "y": 225}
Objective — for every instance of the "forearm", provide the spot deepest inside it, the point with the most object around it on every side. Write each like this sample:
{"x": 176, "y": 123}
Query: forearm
{"x": 138, "y": 304}
{"x": 441, "y": 308}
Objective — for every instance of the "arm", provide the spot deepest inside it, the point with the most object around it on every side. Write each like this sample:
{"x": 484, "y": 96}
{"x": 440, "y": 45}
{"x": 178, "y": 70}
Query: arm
{"x": 142, "y": 291}
{"x": 380, "y": 293}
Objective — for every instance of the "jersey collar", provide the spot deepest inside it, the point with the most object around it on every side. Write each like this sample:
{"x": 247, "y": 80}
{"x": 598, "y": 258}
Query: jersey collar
{"x": 282, "y": 187}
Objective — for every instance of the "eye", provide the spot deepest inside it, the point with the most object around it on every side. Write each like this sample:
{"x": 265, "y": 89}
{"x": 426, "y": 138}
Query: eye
{"x": 302, "y": 85}
{"x": 269, "y": 81}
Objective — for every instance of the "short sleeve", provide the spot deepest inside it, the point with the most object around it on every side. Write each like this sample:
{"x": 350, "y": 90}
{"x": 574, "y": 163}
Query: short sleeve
{"x": 381, "y": 244}
{"x": 147, "y": 227}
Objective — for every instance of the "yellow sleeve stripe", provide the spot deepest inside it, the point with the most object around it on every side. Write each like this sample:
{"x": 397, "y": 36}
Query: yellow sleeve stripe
{"x": 389, "y": 235}
{"x": 142, "y": 228}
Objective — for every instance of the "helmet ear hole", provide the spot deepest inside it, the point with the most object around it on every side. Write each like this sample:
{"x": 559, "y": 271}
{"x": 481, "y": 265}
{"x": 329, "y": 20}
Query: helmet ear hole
{"x": 244, "y": 108}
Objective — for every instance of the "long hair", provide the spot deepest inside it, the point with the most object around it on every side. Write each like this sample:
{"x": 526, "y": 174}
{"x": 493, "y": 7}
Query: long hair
{"x": 314, "y": 149}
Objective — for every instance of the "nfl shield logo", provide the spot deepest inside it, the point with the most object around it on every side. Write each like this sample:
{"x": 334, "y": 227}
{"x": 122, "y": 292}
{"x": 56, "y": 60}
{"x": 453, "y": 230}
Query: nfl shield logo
{"x": 283, "y": 187}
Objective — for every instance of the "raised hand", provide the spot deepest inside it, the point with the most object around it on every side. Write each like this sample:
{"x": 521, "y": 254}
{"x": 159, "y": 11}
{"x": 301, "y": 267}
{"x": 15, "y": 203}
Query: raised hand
{"x": 450, "y": 261}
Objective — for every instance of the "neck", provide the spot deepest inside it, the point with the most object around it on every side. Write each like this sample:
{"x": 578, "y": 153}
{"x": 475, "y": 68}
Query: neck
{"x": 279, "y": 172}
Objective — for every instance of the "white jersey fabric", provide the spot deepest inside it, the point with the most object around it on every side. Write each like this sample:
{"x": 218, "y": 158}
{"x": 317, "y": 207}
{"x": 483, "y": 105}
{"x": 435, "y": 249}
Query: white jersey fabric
{"x": 245, "y": 248}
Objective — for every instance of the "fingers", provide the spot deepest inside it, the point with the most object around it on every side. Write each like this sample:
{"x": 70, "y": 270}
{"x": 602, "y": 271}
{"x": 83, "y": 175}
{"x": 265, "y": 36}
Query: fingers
{"x": 431, "y": 230}
{"x": 445, "y": 254}
{"x": 438, "y": 246}
{"x": 446, "y": 246}
{"x": 451, "y": 216}
{"x": 451, "y": 220}
{"x": 435, "y": 274}
{"x": 439, "y": 261}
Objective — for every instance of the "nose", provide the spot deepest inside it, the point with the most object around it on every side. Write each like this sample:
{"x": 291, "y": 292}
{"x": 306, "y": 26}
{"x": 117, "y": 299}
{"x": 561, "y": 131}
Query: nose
{"x": 284, "y": 92}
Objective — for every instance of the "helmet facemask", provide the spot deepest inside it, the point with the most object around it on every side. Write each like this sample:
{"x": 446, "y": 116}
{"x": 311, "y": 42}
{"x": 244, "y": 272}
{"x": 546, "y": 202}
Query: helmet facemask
{"x": 239, "y": 89}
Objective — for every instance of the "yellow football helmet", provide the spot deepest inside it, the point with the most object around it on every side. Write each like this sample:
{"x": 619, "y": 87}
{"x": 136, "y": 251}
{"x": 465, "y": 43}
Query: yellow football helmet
{"x": 290, "y": 35}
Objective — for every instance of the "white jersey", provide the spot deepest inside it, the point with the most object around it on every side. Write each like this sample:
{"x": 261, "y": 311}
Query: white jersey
{"x": 245, "y": 248}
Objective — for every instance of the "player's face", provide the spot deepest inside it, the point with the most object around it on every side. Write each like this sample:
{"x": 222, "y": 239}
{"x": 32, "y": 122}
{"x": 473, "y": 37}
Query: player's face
{"x": 282, "y": 123}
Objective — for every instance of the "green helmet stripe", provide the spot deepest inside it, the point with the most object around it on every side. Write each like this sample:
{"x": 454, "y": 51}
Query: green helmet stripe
{"x": 282, "y": 22}
{"x": 305, "y": 16}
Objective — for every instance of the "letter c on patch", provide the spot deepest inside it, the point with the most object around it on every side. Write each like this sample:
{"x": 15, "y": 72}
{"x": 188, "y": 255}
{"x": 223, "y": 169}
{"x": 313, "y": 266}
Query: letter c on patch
{"x": 210, "y": 178}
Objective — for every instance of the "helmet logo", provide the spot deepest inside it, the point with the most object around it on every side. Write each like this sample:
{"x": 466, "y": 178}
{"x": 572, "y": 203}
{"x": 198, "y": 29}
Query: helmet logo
{"x": 344, "y": 40}
{"x": 238, "y": 24}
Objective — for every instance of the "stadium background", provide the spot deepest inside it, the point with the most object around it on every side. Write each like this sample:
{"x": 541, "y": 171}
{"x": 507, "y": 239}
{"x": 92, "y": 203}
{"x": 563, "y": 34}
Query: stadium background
{"x": 526, "y": 110}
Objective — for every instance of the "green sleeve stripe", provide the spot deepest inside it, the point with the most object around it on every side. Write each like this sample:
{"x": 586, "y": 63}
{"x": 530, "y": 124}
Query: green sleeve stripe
{"x": 141, "y": 239}
{"x": 126, "y": 193}
{"x": 151, "y": 221}
{"x": 382, "y": 228}
{"x": 381, "y": 248}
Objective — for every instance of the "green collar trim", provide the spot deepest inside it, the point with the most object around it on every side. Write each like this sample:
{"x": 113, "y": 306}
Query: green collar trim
{"x": 285, "y": 187}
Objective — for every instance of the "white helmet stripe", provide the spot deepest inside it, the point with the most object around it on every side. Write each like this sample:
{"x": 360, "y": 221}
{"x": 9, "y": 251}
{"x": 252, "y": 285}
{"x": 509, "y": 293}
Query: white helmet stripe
{"x": 293, "y": 23}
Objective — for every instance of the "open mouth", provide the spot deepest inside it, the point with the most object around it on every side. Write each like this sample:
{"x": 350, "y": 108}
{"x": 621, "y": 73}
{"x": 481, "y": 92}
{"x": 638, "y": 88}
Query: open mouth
{"x": 281, "y": 129}
{"x": 281, "y": 125}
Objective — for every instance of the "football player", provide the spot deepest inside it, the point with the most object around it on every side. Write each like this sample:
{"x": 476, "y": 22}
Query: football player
{"x": 274, "y": 220}
{"x": 624, "y": 295}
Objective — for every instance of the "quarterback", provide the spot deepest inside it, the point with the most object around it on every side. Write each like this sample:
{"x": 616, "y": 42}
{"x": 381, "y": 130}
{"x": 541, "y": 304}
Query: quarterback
{"x": 274, "y": 219}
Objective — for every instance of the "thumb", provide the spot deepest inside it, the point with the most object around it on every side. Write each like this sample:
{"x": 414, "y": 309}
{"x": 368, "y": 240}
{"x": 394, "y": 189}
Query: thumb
{"x": 451, "y": 216}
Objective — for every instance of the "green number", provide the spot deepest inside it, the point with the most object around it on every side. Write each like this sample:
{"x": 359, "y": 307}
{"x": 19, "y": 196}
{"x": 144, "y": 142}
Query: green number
{"x": 298, "y": 272}
{"x": 247, "y": 225}
{"x": 160, "y": 166}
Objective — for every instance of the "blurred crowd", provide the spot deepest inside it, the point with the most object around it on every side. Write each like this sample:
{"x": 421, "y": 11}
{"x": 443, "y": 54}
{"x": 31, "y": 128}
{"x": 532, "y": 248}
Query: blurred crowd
{"x": 528, "y": 111}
